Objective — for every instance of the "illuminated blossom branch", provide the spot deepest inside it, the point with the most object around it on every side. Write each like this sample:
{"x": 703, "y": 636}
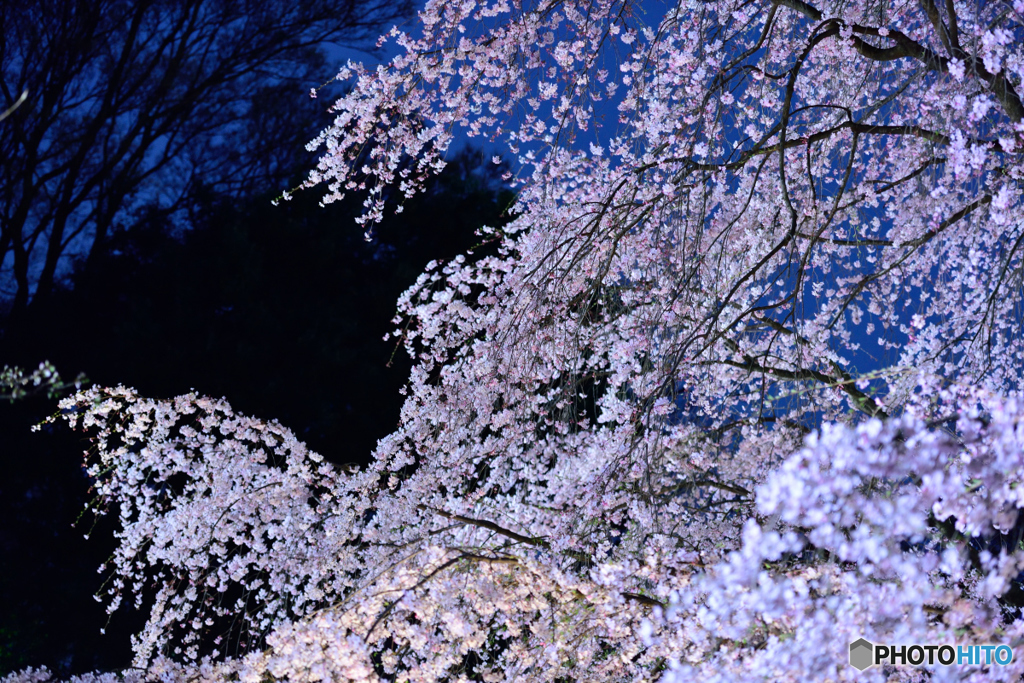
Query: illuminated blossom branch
{"x": 735, "y": 386}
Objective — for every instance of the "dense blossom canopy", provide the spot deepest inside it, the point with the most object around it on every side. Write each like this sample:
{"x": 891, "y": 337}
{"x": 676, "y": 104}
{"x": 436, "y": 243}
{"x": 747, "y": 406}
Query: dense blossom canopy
{"x": 735, "y": 387}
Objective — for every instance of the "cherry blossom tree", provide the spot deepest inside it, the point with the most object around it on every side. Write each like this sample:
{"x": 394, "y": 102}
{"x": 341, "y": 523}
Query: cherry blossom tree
{"x": 736, "y": 387}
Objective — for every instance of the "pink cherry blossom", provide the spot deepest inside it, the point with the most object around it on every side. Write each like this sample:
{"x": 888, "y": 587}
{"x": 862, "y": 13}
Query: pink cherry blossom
{"x": 738, "y": 386}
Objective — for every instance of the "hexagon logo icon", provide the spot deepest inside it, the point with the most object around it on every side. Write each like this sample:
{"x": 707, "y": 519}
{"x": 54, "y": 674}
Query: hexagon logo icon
{"x": 861, "y": 654}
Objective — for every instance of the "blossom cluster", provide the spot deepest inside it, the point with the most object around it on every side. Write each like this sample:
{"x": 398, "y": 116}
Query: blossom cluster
{"x": 16, "y": 383}
{"x": 884, "y": 530}
{"x": 736, "y": 385}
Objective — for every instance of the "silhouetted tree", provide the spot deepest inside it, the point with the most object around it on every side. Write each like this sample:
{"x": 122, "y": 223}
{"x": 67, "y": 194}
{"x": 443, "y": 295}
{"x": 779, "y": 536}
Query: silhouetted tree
{"x": 131, "y": 103}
